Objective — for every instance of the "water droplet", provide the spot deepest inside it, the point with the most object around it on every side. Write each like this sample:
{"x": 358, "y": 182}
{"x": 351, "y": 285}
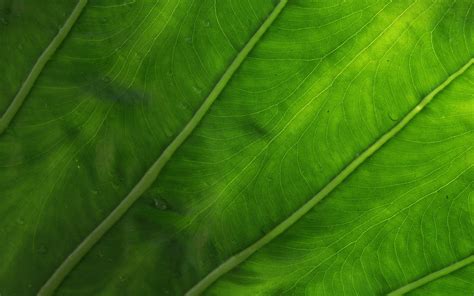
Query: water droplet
{"x": 197, "y": 90}
{"x": 78, "y": 166}
{"x": 160, "y": 204}
{"x": 168, "y": 132}
{"x": 95, "y": 192}
{"x": 42, "y": 250}
{"x": 183, "y": 106}
{"x": 392, "y": 116}
{"x": 188, "y": 40}
{"x": 20, "y": 221}
{"x": 207, "y": 24}
{"x": 169, "y": 73}
{"x": 122, "y": 278}
{"x": 3, "y": 21}
{"x": 10, "y": 131}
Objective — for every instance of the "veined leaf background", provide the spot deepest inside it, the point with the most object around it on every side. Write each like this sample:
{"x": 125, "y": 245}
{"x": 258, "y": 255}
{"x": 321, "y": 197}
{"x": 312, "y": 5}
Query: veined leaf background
{"x": 236, "y": 147}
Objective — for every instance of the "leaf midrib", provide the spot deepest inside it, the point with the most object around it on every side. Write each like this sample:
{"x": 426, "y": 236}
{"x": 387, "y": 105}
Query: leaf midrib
{"x": 38, "y": 67}
{"x": 235, "y": 260}
{"x": 152, "y": 173}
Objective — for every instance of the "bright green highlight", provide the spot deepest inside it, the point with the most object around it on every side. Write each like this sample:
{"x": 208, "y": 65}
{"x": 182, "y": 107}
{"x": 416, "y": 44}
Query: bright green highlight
{"x": 235, "y": 260}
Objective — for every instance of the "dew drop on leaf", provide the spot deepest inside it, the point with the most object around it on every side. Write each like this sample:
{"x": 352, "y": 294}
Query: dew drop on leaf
{"x": 392, "y": 116}
{"x": 183, "y": 106}
{"x": 197, "y": 90}
{"x": 168, "y": 132}
{"x": 42, "y": 250}
{"x": 160, "y": 204}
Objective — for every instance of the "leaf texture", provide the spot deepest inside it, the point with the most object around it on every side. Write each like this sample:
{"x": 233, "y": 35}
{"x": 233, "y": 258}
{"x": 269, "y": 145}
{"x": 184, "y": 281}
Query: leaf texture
{"x": 324, "y": 82}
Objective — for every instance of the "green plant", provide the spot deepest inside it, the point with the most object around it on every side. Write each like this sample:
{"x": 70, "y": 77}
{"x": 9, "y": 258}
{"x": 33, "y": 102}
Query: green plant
{"x": 236, "y": 147}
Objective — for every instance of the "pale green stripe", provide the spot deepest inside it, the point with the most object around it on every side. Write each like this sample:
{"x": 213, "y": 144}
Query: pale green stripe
{"x": 293, "y": 218}
{"x": 150, "y": 176}
{"x": 433, "y": 276}
{"x": 39, "y": 66}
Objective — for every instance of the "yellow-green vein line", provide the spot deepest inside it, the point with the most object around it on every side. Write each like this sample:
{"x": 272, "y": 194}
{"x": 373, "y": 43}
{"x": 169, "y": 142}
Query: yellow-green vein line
{"x": 235, "y": 260}
{"x": 150, "y": 176}
{"x": 38, "y": 67}
{"x": 433, "y": 276}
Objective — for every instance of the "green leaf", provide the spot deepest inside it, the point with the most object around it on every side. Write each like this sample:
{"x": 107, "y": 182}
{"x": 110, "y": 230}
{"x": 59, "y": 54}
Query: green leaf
{"x": 236, "y": 147}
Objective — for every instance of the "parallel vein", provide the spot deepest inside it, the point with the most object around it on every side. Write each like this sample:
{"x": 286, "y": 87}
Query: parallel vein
{"x": 433, "y": 276}
{"x": 235, "y": 260}
{"x": 150, "y": 176}
{"x": 38, "y": 67}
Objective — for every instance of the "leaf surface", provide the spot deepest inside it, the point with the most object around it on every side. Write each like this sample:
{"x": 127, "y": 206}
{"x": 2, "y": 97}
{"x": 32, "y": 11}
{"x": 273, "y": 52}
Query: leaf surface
{"x": 311, "y": 98}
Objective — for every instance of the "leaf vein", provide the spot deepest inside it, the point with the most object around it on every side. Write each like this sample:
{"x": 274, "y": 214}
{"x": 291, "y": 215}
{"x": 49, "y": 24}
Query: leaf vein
{"x": 38, "y": 67}
{"x": 240, "y": 257}
{"x": 152, "y": 173}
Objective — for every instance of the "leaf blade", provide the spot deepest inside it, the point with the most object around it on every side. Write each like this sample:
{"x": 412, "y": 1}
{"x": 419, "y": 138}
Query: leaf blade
{"x": 243, "y": 255}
